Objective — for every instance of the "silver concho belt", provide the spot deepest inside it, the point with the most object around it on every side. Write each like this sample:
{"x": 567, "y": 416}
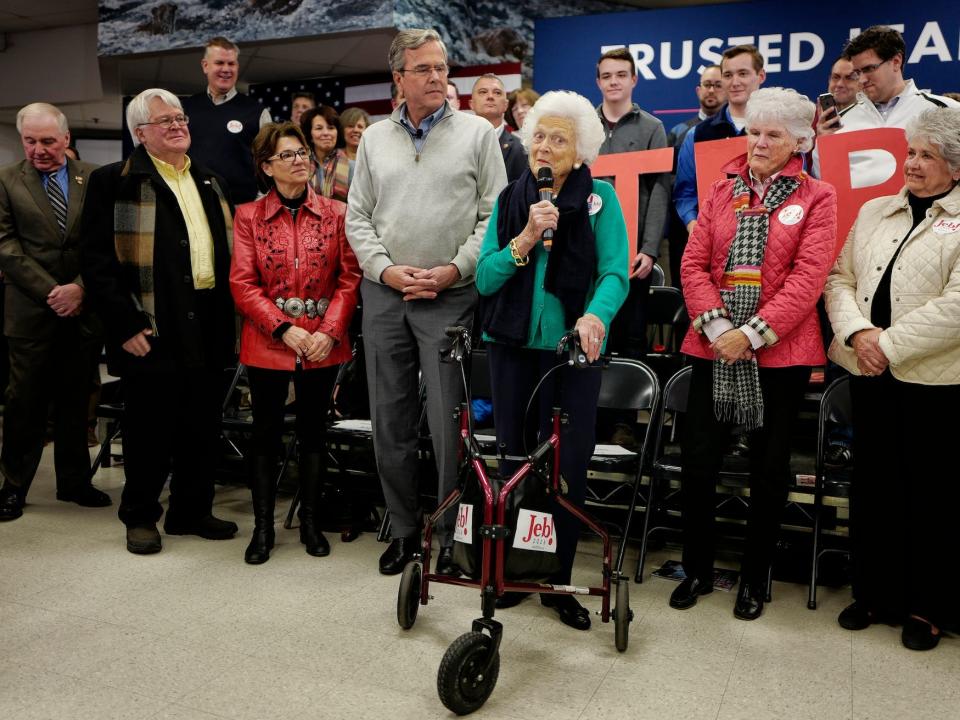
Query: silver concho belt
{"x": 297, "y": 307}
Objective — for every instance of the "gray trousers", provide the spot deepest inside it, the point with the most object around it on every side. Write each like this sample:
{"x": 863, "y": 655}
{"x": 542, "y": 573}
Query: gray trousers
{"x": 400, "y": 338}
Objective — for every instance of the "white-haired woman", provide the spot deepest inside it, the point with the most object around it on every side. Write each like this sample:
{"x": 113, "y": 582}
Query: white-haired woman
{"x": 532, "y": 292}
{"x": 752, "y": 273}
{"x": 894, "y": 302}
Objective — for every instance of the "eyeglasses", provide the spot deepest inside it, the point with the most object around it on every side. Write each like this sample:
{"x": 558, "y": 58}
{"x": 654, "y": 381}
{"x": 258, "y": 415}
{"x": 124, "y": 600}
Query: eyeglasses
{"x": 711, "y": 85}
{"x": 290, "y": 156}
{"x": 869, "y": 69}
{"x": 167, "y": 121}
{"x": 427, "y": 70}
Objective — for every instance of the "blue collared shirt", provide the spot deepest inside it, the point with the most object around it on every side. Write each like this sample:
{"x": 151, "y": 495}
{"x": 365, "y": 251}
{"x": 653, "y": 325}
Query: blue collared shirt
{"x": 420, "y": 135}
{"x": 63, "y": 178}
{"x": 685, "y": 186}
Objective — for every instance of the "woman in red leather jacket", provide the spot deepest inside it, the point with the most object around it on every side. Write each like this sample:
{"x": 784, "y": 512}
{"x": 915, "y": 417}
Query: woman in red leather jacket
{"x": 752, "y": 272}
{"x": 294, "y": 279}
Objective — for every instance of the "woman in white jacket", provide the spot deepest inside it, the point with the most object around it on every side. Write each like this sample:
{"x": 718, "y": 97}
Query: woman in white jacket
{"x": 893, "y": 298}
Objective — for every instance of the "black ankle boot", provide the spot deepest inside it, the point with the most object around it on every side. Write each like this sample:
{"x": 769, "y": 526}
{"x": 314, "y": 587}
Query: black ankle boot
{"x": 264, "y": 491}
{"x": 311, "y": 474}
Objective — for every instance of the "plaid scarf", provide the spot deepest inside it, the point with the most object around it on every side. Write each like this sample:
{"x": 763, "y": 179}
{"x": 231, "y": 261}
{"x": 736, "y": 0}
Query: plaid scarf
{"x": 134, "y": 225}
{"x": 736, "y": 387}
{"x": 332, "y": 179}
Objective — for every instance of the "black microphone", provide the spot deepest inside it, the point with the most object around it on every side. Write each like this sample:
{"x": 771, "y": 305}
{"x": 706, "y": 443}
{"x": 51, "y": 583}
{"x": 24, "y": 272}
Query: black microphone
{"x": 545, "y": 187}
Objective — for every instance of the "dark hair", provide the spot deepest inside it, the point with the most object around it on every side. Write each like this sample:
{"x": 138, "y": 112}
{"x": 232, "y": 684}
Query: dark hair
{"x": 751, "y": 50}
{"x": 305, "y": 95}
{"x": 620, "y": 53}
{"x": 265, "y": 145}
{"x": 529, "y": 94}
{"x": 886, "y": 42}
{"x": 328, "y": 114}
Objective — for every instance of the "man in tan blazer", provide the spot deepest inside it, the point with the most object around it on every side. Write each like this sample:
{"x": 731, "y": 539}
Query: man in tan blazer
{"x": 54, "y": 341}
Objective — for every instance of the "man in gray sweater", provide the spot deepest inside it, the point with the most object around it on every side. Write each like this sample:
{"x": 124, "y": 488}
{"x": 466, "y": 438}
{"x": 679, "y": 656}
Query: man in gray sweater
{"x": 424, "y": 187}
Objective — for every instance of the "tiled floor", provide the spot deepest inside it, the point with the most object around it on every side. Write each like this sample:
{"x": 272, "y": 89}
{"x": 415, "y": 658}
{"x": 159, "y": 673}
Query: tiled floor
{"x": 91, "y": 631}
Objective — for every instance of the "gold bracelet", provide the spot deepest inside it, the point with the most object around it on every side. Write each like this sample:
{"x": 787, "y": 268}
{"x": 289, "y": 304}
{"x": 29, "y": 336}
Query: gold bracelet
{"x": 518, "y": 259}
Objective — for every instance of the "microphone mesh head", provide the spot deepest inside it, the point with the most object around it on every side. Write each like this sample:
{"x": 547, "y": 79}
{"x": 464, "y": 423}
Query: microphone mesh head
{"x": 544, "y": 178}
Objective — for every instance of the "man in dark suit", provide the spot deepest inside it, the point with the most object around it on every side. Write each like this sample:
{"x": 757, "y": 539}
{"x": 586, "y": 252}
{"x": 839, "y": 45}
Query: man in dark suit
{"x": 156, "y": 261}
{"x": 53, "y": 338}
{"x": 489, "y": 101}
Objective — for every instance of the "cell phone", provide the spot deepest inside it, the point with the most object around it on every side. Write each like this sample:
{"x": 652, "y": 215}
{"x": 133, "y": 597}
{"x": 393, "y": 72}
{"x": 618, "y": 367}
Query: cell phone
{"x": 827, "y": 101}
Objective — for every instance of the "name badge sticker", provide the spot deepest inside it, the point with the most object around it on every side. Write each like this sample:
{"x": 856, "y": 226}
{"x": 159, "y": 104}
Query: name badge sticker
{"x": 235, "y": 126}
{"x": 946, "y": 226}
{"x": 790, "y": 215}
{"x": 594, "y": 203}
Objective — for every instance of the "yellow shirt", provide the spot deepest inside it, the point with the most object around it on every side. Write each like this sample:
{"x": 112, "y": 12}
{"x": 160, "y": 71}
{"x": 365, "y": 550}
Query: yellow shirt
{"x": 195, "y": 217}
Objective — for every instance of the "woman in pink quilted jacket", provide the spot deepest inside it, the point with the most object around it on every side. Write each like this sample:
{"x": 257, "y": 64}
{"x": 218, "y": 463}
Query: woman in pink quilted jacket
{"x": 752, "y": 272}
{"x": 894, "y": 302}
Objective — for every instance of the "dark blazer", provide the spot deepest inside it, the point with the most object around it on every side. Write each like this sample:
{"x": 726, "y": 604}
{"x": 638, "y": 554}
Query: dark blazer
{"x": 34, "y": 257}
{"x": 182, "y": 341}
{"x": 514, "y": 155}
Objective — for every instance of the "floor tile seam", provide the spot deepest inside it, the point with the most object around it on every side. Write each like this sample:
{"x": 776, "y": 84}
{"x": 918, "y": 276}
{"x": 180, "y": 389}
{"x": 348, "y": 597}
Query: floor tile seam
{"x": 595, "y": 691}
{"x": 733, "y": 667}
{"x": 187, "y": 707}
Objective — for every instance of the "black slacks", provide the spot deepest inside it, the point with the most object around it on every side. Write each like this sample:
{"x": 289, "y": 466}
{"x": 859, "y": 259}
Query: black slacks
{"x": 268, "y": 393}
{"x": 904, "y": 498}
{"x": 704, "y": 440}
{"x": 58, "y": 369}
{"x": 514, "y": 373}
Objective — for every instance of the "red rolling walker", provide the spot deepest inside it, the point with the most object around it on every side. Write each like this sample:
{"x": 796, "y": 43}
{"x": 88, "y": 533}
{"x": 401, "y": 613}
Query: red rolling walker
{"x": 471, "y": 665}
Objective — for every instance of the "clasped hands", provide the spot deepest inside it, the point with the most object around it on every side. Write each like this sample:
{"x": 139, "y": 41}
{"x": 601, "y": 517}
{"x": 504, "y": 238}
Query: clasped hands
{"x": 66, "y": 300}
{"x": 311, "y": 346}
{"x": 419, "y": 283}
{"x": 731, "y": 346}
{"x": 870, "y": 358}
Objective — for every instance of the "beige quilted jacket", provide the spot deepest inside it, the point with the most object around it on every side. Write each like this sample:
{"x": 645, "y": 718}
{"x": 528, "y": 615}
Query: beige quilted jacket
{"x": 923, "y": 341}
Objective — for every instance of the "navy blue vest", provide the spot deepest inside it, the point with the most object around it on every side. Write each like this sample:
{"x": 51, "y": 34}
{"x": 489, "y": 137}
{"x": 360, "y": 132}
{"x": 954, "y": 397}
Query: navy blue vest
{"x": 222, "y": 136}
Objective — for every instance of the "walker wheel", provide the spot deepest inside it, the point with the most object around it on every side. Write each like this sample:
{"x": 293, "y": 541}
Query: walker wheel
{"x": 408, "y": 597}
{"x": 461, "y": 681}
{"x": 622, "y": 615}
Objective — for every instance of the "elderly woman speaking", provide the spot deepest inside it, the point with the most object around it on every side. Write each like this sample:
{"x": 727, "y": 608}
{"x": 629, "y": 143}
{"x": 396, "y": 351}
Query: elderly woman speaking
{"x": 894, "y": 302}
{"x": 752, "y": 273}
{"x": 532, "y": 291}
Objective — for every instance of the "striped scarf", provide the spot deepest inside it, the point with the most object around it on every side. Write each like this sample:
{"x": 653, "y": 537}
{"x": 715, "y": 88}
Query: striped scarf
{"x": 134, "y": 225}
{"x": 333, "y": 176}
{"x": 736, "y": 387}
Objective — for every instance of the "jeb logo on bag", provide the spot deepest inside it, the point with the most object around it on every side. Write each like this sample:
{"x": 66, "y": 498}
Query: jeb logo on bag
{"x": 535, "y": 532}
{"x": 464, "y": 530}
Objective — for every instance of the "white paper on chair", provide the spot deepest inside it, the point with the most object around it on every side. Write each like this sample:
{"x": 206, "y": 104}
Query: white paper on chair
{"x": 361, "y": 425}
{"x": 612, "y": 450}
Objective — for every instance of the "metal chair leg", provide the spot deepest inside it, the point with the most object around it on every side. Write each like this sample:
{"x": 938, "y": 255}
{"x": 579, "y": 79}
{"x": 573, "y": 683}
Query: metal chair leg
{"x": 769, "y": 591}
{"x": 642, "y": 559}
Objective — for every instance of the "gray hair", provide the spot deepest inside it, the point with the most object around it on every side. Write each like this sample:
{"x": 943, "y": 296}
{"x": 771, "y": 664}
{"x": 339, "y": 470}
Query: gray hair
{"x": 41, "y": 109}
{"x": 488, "y": 76}
{"x": 785, "y": 107}
{"x": 571, "y": 106}
{"x": 138, "y": 111}
{"x": 939, "y": 126}
{"x": 411, "y": 40}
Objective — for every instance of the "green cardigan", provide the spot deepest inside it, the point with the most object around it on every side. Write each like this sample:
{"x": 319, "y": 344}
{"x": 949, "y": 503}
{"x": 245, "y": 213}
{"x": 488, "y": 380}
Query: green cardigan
{"x": 607, "y": 292}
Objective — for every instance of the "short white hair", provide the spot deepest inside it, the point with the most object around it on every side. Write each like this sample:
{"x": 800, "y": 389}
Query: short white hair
{"x": 573, "y": 107}
{"x": 42, "y": 109}
{"x": 786, "y": 107}
{"x": 939, "y": 126}
{"x": 138, "y": 111}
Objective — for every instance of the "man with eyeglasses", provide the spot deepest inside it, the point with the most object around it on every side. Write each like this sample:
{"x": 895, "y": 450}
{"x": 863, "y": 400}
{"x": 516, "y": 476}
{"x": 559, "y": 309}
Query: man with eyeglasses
{"x": 156, "y": 261}
{"x": 423, "y": 191}
{"x": 711, "y": 97}
{"x": 885, "y": 99}
{"x": 225, "y": 122}
{"x": 53, "y": 338}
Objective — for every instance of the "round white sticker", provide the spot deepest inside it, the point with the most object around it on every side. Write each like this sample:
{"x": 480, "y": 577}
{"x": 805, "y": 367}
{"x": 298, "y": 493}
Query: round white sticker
{"x": 594, "y": 203}
{"x": 235, "y": 126}
{"x": 790, "y": 215}
{"x": 946, "y": 226}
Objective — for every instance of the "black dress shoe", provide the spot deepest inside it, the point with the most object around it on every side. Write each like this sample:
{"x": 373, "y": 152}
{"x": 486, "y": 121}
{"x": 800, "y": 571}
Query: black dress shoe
{"x": 510, "y": 599}
{"x": 398, "y": 554}
{"x": 86, "y": 496}
{"x": 11, "y": 503}
{"x": 445, "y": 564}
{"x": 209, "y": 527}
{"x": 856, "y": 616}
{"x": 838, "y": 457}
{"x": 143, "y": 539}
{"x": 686, "y": 594}
{"x": 918, "y": 635}
{"x": 570, "y": 611}
{"x": 749, "y": 602}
